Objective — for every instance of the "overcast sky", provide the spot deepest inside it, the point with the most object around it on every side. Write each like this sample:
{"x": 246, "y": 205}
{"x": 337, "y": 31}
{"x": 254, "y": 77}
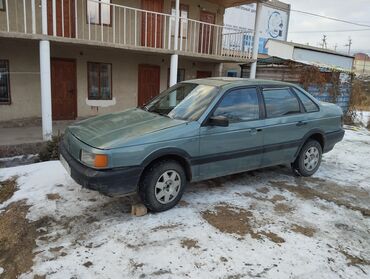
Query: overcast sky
{"x": 351, "y": 10}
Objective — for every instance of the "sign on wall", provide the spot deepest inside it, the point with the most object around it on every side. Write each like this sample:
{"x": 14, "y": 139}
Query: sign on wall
{"x": 275, "y": 21}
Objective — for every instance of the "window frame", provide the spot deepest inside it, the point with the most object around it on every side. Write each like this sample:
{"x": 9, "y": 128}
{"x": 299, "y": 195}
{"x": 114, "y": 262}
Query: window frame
{"x": 187, "y": 8}
{"x": 277, "y": 87}
{"x": 99, "y": 24}
{"x": 88, "y": 81}
{"x": 260, "y": 104}
{"x": 9, "y": 102}
{"x": 4, "y": 6}
{"x": 309, "y": 97}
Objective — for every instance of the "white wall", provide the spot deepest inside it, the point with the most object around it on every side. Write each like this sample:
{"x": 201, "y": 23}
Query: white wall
{"x": 278, "y": 49}
{"x": 331, "y": 60}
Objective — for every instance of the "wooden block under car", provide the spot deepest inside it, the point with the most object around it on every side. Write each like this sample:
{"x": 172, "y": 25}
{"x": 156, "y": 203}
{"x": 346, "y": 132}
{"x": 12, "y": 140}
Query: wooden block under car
{"x": 138, "y": 210}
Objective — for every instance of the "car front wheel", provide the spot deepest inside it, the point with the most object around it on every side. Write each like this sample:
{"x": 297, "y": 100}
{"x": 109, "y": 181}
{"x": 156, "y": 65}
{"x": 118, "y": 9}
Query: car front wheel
{"x": 162, "y": 185}
{"x": 309, "y": 159}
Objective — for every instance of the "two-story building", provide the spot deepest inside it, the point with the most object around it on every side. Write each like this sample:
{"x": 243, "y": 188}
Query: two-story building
{"x": 361, "y": 65}
{"x": 64, "y": 59}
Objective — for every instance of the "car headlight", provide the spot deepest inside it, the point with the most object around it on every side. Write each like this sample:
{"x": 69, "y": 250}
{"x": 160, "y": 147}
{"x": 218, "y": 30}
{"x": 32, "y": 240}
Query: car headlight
{"x": 94, "y": 160}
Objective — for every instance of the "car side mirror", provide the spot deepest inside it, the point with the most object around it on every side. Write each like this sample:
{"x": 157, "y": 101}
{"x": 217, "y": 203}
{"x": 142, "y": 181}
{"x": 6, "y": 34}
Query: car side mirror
{"x": 221, "y": 121}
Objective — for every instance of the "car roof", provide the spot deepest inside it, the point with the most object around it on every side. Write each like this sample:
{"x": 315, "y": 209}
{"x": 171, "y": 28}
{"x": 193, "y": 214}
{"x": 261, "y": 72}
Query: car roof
{"x": 225, "y": 81}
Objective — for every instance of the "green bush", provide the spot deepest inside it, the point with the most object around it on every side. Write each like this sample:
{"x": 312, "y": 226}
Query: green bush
{"x": 51, "y": 150}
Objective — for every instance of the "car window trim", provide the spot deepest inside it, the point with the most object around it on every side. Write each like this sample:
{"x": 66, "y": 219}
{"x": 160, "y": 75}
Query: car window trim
{"x": 301, "y": 106}
{"x": 204, "y": 122}
{"x": 274, "y": 87}
{"x": 317, "y": 106}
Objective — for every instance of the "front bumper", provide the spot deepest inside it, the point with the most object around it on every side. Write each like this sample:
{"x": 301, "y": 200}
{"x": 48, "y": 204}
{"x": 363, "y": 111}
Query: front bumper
{"x": 111, "y": 182}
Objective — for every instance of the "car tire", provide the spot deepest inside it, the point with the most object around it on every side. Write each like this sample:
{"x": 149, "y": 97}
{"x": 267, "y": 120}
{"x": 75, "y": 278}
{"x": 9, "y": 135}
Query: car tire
{"x": 309, "y": 159}
{"x": 162, "y": 185}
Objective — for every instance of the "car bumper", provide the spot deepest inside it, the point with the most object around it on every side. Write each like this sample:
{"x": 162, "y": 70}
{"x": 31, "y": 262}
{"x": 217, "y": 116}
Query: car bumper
{"x": 111, "y": 182}
{"x": 332, "y": 139}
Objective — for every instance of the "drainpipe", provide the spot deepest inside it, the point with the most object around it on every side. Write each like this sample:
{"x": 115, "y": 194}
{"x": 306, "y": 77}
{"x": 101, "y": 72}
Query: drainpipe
{"x": 175, "y": 57}
{"x": 256, "y": 39}
{"x": 45, "y": 79}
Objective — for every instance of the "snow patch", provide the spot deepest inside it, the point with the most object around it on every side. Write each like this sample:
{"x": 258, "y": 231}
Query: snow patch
{"x": 98, "y": 238}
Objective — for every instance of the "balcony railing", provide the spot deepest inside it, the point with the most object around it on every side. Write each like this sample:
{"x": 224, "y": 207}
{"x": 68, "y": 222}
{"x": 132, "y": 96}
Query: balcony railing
{"x": 96, "y": 21}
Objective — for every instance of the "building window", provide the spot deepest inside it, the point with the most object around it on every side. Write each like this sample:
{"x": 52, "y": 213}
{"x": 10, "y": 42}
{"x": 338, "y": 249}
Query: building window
{"x": 232, "y": 73}
{"x": 99, "y": 81}
{"x": 183, "y": 24}
{"x": 180, "y": 76}
{"x": 99, "y": 13}
{"x": 4, "y": 82}
{"x": 2, "y": 5}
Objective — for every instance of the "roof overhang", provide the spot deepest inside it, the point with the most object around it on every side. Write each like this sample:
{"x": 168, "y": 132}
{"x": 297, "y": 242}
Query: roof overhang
{"x": 309, "y": 55}
{"x": 232, "y": 3}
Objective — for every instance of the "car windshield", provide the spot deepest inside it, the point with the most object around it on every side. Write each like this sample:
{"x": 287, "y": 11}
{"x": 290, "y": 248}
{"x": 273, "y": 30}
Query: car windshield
{"x": 185, "y": 101}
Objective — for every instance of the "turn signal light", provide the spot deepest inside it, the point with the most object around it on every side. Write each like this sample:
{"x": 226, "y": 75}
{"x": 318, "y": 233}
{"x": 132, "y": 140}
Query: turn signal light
{"x": 101, "y": 161}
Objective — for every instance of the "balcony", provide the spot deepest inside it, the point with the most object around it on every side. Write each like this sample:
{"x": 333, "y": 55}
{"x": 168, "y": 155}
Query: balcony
{"x": 99, "y": 23}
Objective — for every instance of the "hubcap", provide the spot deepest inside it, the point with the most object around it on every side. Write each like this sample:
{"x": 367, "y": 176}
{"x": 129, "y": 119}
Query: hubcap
{"x": 167, "y": 186}
{"x": 311, "y": 158}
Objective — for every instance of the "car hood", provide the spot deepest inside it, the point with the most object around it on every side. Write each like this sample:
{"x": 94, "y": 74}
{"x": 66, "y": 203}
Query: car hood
{"x": 117, "y": 129}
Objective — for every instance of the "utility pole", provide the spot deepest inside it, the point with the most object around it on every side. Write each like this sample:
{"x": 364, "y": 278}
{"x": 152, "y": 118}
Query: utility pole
{"x": 324, "y": 43}
{"x": 349, "y": 45}
{"x": 363, "y": 69}
{"x": 257, "y": 31}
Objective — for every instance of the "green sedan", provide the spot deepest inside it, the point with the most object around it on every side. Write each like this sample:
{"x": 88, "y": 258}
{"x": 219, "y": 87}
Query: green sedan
{"x": 197, "y": 130}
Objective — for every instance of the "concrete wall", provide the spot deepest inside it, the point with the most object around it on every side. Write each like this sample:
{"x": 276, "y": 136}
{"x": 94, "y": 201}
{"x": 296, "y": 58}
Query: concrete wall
{"x": 23, "y": 56}
{"x": 24, "y": 69}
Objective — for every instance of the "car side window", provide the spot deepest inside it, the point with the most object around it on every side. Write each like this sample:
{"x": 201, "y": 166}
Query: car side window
{"x": 280, "y": 102}
{"x": 308, "y": 104}
{"x": 239, "y": 105}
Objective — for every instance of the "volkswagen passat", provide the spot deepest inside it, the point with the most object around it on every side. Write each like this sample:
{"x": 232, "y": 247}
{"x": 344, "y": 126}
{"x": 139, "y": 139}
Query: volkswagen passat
{"x": 197, "y": 130}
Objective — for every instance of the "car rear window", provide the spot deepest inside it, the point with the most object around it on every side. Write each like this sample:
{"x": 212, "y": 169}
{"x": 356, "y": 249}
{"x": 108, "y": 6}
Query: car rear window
{"x": 308, "y": 104}
{"x": 280, "y": 102}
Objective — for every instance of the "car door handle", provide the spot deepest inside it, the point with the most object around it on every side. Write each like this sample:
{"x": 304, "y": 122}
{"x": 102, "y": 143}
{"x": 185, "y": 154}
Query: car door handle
{"x": 255, "y": 131}
{"x": 301, "y": 123}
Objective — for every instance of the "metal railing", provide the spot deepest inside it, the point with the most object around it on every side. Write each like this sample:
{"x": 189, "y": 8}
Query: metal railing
{"x": 100, "y": 21}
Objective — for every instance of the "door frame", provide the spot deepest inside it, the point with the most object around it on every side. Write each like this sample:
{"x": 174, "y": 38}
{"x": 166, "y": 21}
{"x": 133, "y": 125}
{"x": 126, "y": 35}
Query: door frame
{"x": 200, "y": 32}
{"x": 144, "y": 23}
{"x": 72, "y": 19}
{"x": 74, "y": 61}
{"x": 204, "y": 72}
{"x": 236, "y": 154}
{"x": 140, "y": 66}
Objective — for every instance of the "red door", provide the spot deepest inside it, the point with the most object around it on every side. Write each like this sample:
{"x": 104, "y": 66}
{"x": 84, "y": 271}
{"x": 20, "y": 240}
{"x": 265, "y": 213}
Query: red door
{"x": 63, "y": 89}
{"x": 148, "y": 87}
{"x": 204, "y": 74}
{"x": 65, "y": 18}
{"x": 206, "y": 32}
{"x": 151, "y": 24}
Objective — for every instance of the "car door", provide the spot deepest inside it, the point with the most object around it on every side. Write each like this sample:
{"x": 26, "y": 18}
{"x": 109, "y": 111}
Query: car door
{"x": 237, "y": 147}
{"x": 284, "y": 125}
